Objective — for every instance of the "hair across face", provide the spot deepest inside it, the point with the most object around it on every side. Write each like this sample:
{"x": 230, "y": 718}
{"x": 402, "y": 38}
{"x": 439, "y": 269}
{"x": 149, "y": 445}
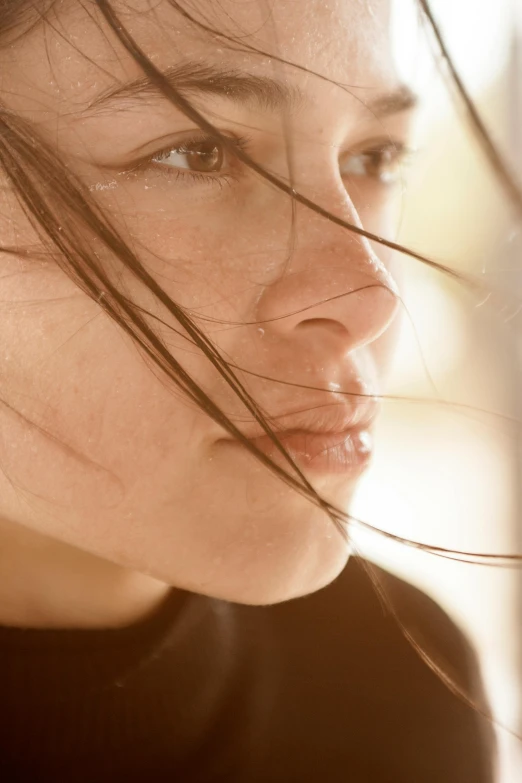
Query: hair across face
{"x": 101, "y": 451}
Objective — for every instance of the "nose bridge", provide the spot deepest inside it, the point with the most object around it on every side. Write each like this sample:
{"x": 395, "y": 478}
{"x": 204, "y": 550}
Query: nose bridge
{"x": 334, "y": 279}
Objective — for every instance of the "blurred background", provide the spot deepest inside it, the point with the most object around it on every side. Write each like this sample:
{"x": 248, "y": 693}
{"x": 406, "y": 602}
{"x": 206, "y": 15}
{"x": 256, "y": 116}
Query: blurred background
{"x": 448, "y": 462}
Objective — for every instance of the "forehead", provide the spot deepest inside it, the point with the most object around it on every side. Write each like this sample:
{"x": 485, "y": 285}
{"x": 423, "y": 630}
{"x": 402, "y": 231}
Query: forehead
{"x": 73, "y": 56}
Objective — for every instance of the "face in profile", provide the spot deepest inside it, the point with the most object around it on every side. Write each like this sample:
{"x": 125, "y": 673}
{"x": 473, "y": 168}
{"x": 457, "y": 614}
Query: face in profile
{"x": 104, "y": 453}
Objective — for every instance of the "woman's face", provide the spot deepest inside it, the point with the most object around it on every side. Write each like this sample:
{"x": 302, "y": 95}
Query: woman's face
{"x": 98, "y": 449}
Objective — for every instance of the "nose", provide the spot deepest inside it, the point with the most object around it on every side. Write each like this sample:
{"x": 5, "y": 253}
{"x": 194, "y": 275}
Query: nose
{"x": 334, "y": 287}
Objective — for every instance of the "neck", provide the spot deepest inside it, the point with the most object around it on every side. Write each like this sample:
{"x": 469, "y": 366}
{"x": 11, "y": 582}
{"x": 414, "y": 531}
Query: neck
{"x": 45, "y": 583}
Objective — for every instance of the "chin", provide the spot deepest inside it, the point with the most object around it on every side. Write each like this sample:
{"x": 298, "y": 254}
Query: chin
{"x": 287, "y": 575}
{"x": 264, "y": 551}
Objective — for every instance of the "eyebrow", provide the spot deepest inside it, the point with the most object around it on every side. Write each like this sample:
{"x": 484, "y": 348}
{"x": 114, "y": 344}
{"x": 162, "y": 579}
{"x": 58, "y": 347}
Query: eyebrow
{"x": 398, "y": 100}
{"x": 237, "y": 86}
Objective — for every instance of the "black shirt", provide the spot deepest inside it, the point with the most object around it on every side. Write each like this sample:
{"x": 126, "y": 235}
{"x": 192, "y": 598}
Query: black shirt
{"x": 323, "y": 688}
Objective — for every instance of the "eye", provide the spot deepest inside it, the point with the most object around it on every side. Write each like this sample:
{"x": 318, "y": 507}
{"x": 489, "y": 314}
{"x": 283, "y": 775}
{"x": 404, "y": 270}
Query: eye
{"x": 202, "y": 155}
{"x": 382, "y": 162}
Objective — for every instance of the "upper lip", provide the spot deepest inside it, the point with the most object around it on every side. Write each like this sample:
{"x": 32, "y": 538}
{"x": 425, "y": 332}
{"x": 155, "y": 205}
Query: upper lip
{"x": 323, "y": 418}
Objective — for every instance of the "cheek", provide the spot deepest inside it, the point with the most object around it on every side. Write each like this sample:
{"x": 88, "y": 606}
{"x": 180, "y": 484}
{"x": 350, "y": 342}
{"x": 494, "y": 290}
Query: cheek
{"x": 383, "y": 350}
{"x": 379, "y": 208}
{"x": 205, "y": 250}
{"x": 189, "y": 255}
{"x": 84, "y": 416}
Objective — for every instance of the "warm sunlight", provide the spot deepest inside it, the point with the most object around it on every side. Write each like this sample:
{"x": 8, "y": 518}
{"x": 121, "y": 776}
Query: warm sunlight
{"x": 447, "y": 355}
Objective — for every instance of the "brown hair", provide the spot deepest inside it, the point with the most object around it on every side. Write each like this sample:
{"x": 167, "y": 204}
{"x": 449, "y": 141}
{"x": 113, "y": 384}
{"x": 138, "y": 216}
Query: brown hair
{"x": 67, "y": 217}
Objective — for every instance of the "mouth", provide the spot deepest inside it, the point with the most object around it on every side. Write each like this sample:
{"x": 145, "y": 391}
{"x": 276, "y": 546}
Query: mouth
{"x": 327, "y": 439}
{"x": 347, "y": 453}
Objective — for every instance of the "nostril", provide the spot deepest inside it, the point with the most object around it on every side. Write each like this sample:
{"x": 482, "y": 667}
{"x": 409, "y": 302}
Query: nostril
{"x": 328, "y": 324}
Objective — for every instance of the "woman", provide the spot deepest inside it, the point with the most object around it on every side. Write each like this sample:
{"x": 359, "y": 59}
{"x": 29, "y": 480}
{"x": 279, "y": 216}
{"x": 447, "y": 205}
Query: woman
{"x": 195, "y": 333}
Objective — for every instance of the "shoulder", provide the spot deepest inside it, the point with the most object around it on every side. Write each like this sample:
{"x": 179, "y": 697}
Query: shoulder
{"x": 370, "y": 657}
{"x": 366, "y": 600}
{"x": 374, "y": 624}
{"x": 376, "y": 619}
{"x": 380, "y": 600}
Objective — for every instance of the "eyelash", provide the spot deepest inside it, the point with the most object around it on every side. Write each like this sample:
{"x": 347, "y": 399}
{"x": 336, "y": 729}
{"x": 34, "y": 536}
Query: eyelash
{"x": 398, "y": 153}
{"x": 401, "y": 155}
{"x": 242, "y": 143}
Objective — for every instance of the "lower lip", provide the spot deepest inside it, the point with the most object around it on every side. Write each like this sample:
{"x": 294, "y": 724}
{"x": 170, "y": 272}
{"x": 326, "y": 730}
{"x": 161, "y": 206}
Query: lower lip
{"x": 346, "y": 453}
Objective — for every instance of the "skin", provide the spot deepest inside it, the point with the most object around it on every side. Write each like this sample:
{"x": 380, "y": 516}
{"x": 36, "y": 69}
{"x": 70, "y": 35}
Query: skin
{"x": 124, "y": 488}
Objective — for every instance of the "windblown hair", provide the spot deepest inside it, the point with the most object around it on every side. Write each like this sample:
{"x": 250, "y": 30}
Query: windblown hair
{"x": 67, "y": 219}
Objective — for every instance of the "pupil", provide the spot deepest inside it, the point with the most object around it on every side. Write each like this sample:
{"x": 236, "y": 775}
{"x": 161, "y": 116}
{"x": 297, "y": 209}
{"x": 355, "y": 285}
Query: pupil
{"x": 376, "y": 163}
{"x": 205, "y": 156}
